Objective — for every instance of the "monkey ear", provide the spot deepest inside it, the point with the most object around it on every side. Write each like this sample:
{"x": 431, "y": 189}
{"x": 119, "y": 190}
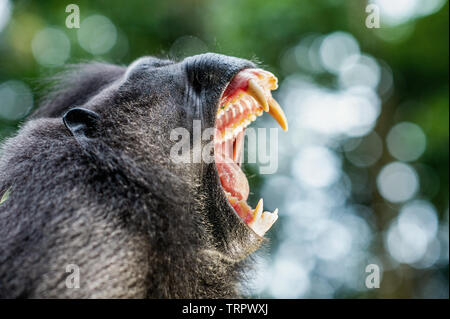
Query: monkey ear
{"x": 81, "y": 123}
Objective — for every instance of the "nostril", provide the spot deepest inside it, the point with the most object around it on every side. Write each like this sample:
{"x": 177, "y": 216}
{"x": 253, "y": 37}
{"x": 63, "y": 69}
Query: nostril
{"x": 212, "y": 70}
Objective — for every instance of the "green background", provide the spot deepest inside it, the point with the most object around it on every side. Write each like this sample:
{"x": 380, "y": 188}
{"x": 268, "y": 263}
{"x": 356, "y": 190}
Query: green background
{"x": 412, "y": 52}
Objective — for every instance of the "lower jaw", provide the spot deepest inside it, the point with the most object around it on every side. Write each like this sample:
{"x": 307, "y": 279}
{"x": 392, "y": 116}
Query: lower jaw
{"x": 235, "y": 186}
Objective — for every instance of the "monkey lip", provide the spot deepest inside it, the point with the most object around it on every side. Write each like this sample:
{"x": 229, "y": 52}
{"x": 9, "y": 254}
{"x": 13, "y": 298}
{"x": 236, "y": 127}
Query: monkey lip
{"x": 246, "y": 97}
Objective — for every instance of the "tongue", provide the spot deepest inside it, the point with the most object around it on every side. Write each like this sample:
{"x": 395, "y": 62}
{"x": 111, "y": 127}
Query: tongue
{"x": 232, "y": 177}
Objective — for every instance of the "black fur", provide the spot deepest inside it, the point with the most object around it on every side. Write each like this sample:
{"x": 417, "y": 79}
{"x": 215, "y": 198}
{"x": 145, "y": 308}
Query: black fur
{"x": 101, "y": 192}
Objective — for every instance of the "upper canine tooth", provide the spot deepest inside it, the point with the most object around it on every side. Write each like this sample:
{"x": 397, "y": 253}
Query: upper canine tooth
{"x": 277, "y": 112}
{"x": 256, "y": 91}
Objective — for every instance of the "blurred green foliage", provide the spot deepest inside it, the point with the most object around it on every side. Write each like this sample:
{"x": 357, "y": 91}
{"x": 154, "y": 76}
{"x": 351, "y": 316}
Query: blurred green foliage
{"x": 262, "y": 31}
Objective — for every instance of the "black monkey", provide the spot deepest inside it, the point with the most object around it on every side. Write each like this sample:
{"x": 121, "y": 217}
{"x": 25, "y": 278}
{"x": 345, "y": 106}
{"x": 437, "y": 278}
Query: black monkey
{"x": 88, "y": 180}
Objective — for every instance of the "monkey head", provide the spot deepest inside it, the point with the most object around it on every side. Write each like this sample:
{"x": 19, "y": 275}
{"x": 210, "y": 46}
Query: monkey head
{"x": 160, "y": 145}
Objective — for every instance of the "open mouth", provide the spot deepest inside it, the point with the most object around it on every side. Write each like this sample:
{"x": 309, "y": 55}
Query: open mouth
{"x": 246, "y": 97}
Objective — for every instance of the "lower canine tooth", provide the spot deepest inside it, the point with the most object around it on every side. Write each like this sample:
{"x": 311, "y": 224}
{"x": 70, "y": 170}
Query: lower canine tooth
{"x": 258, "y": 210}
{"x": 260, "y": 205}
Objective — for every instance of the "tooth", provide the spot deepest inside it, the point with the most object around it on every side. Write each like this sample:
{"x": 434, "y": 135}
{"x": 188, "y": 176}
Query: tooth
{"x": 258, "y": 210}
{"x": 262, "y": 221}
{"x": 265, "y": 222}
{"x": 257, "y": 92}
{"x": 237, "y": 98}
{"x": 275, "y": 213}
{"x": 241, "y": 109}
{"x": 269, "y": 218}
{"x": 223, "y": 108}
{"x": 245, "y": 104}
{"x": 277, "y": 112}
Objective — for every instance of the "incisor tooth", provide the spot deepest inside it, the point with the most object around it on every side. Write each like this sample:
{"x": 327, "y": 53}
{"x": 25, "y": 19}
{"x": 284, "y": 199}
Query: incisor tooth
{"x": 277, "y": 112}
{"x": 269, "y": 219}
{"x": 257, "y": 92}
{"x": 262, "y": 221}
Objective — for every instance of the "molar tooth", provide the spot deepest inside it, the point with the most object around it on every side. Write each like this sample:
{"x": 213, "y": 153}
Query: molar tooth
{"x": 236, "y": 98}
{"x": 228, "y": 115}
{"x": 278, "y": 114}
{"x": 241, "y": 109}
{"x": 243, "y": 105}
{"x": 249, "y": 105}
{"x": 257, "y": 92}
{"x": 233, "y": 111}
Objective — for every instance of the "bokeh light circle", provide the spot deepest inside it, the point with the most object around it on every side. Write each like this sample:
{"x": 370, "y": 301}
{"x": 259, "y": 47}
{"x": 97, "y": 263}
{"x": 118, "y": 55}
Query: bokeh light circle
{"x": 408, "y": 245}
{"x": 97, "y": 34}
{"x": 316, "y": 166}
{"x": 16, "y": 100}
{"x": 406, "y": 141}
{"x": 336, "y": 48}
{"x": 334, "y": 241}
{"x": 397, "y": 182}
{"x": 51, "y": 47}
{"x": 400, "y": 11}
{"x": 290, "y": 279}
{"x": 411, "y": 238}
{"x": 421, "y": 213}
{"x": 360, "y": 70}
{"x": 5, "y": 13}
